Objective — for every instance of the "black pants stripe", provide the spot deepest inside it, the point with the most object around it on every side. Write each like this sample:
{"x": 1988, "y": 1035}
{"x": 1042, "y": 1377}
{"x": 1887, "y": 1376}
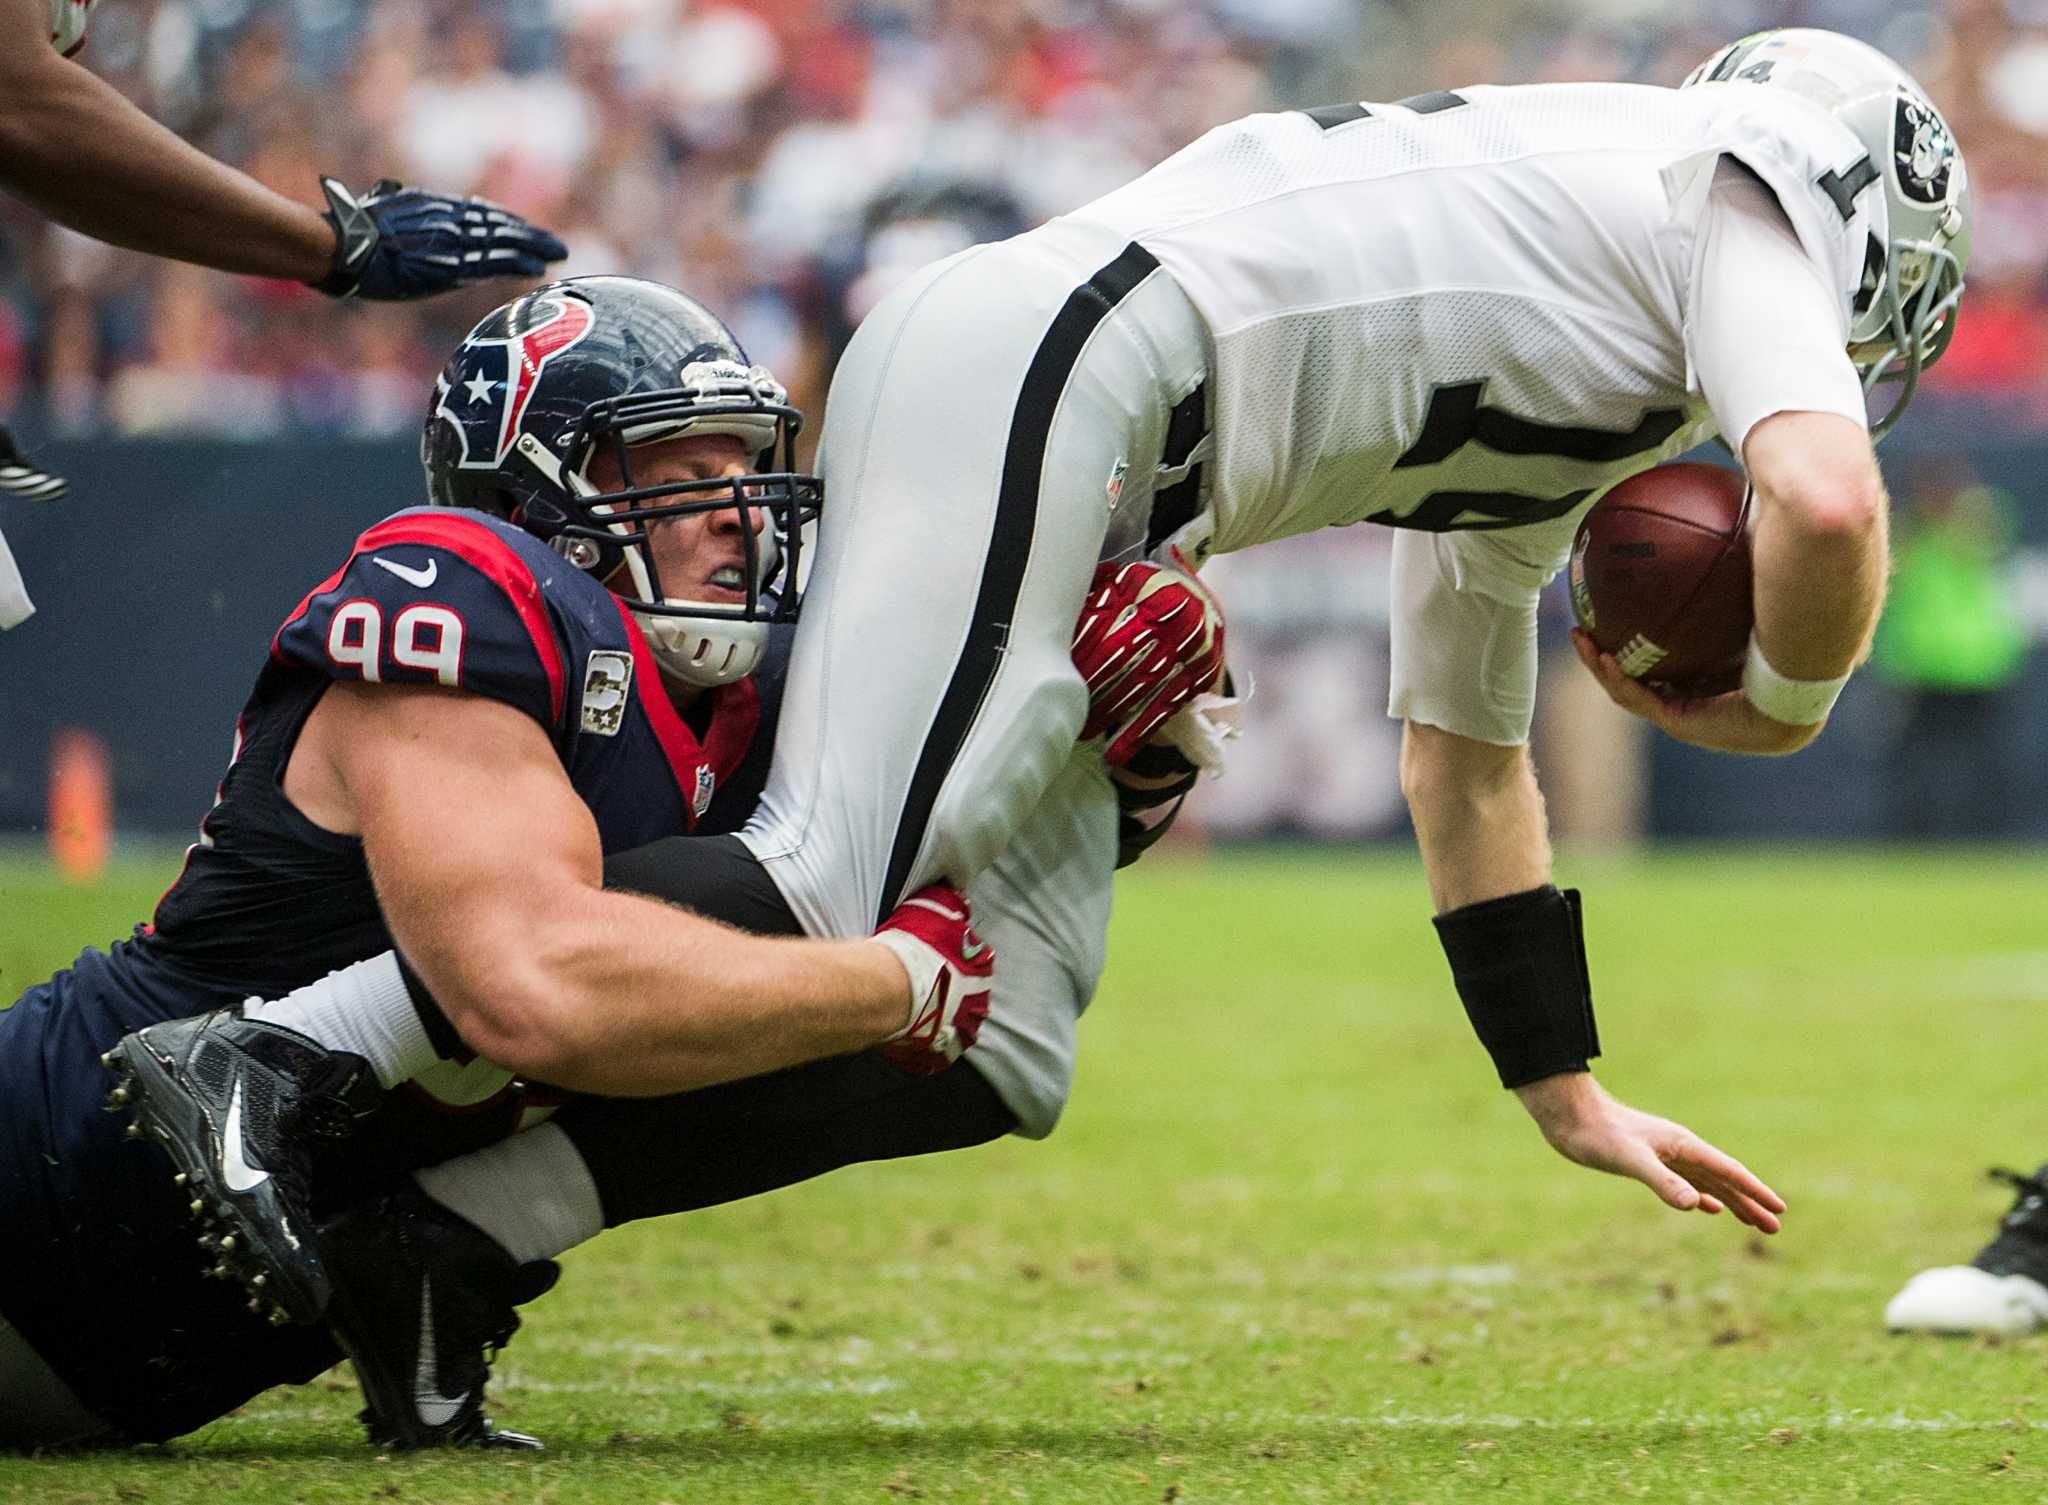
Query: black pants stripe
{"x": 1009, "y": 551}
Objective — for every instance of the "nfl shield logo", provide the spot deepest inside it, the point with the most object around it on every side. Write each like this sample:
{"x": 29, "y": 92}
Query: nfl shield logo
{"x": 707, "y": 781}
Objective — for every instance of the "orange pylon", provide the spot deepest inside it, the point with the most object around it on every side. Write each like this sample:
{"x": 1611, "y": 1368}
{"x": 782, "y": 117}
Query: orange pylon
{"x": 81, "y": 815}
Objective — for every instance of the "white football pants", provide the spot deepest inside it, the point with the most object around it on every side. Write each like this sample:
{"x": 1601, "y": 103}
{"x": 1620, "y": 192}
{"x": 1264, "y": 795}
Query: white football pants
{"x": 989, "y": 424}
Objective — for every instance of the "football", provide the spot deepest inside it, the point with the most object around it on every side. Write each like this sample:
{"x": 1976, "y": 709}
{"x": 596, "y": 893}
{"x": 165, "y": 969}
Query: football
{"x": 1660, "y": 577}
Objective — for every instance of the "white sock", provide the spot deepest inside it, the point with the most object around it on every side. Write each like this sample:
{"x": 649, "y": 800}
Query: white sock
{"x": 364, "y": 1008}
{"x": 532, "y": 1193}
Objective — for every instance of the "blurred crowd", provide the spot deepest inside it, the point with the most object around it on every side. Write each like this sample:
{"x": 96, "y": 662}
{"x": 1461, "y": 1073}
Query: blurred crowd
{"x": 786, "y": 160}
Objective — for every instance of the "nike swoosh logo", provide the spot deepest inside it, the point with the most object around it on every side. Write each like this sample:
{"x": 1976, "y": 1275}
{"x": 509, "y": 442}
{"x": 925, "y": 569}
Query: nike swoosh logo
{"x": 239, "y": 1174}
{"x": 972, "y": 949}
{"x": 434, "y": 1408}
{"x": 410, "y": 575}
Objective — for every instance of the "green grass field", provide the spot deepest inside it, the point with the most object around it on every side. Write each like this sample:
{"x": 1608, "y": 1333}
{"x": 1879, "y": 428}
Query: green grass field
{"x": 1291, "y": 1244}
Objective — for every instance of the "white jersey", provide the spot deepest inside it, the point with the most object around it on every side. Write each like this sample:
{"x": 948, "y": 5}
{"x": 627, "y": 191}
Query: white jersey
{"x": 1469, "y": 310}
{"x": 67, "y": 24}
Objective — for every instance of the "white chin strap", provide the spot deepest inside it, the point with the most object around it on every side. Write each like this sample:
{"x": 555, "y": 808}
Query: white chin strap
{"x": 701, "y": 651}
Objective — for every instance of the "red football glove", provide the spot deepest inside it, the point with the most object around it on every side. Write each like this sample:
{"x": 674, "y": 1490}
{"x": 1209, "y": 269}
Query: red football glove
{"x": 951, "y": 970}
{"x": 1149, "y": 641}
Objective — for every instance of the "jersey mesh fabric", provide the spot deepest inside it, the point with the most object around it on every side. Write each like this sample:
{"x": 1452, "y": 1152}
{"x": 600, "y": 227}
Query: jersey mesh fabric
{"x": 1538, "y": 240}
{"x": 1298, "y": 376}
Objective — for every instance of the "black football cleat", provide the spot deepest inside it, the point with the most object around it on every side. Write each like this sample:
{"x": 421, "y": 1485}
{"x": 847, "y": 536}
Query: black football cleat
{"x": 2004, "y": 1290}
{"x": 423, "y": 1302}
{"x": 236, "y": 1104}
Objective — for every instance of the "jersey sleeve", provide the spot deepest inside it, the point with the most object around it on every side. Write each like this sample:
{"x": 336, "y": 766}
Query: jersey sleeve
{"x": 1764, "y": 332}
{"x": 434, "y": 598}
{"x": 1463, "y": 635}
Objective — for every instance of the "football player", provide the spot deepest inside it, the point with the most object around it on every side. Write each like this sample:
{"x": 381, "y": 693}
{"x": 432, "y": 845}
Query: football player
{"x": 1461, "y": 315}
{"x": 445, "y": 1260}
{"x": 73, "y": 146}
{"x": 450, "y": 734}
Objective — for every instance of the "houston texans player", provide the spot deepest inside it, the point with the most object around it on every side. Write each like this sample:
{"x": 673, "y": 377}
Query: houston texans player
{"x": 450, "y": 734}
{"x": 73, "y": 146}
{"x": 439, "y": 1263}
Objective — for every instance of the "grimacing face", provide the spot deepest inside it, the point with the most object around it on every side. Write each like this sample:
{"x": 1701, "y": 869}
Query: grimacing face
{"x": 701, "y": 556}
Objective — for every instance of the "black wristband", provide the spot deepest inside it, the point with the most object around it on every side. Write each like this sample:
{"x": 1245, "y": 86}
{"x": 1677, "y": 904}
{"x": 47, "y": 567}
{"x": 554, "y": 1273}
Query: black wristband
{"x": 355, "y": 237}
{"x": 1520, "y": 967}
{"x": 1133, "y": 802}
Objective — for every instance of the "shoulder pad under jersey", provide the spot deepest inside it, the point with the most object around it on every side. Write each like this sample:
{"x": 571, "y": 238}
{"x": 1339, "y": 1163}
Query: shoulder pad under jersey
{"x": 444, "y": 596}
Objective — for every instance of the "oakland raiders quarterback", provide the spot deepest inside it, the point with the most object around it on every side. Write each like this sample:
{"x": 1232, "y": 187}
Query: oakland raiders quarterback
{"x": 74, "y": 147}
{"x": 1462, "y": 315}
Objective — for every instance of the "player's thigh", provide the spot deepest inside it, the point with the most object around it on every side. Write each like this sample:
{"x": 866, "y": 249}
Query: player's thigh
{"x": 974, "y": 430}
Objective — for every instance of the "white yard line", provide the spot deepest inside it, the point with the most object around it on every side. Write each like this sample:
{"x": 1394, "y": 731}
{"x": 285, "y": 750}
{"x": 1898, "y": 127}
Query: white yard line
{"x": 1760, "y": 1423}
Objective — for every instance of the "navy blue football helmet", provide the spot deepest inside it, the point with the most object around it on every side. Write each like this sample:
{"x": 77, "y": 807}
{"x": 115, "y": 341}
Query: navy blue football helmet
{"x": 543, "y": 384}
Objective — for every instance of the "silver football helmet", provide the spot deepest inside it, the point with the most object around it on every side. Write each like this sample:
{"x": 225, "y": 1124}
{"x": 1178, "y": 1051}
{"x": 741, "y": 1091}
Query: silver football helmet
{"x": 1905, "y": 313}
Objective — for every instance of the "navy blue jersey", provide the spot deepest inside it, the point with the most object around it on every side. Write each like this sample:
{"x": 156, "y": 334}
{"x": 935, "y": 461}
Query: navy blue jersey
{"x": 98, "y": 1270}
{"x": 431, "y": 596}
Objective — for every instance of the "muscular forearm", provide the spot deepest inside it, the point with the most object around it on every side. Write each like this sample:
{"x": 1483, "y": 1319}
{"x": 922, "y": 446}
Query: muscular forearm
{"x": 625, "y": 996}
{"x": 1818, "y": 543}
{"x": 75, "y": 148}
{"x": 1478, "y": 816}
{"x": 1818, "y": 592}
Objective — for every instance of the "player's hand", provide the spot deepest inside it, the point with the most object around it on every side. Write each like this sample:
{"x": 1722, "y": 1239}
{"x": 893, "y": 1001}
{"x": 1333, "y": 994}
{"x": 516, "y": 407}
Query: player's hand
{"x": 1722, "y": 723}
{"x": 1587, "y": 1126}
{"x": 398, "y": 242}
{"x": 951, "y": 970}
{"x": 1150, "y": 639}
{"x": 20, "y": 478}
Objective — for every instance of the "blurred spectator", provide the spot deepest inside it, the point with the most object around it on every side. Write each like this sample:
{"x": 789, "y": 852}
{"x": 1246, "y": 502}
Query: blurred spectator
{"x": 740, "y": 147}
{"x": 1951, "y": 641}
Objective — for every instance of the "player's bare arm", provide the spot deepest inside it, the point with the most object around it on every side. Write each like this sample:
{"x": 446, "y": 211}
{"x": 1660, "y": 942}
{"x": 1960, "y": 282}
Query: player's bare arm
{"x": 1819, "y": 542}
{"x": 490, "y": 876}
{"x": 1784, "y": 356}
{"x": 1478, "y": 816}
{"x": 1819, "y": 554}
{"x": 1485, "y": 842}
{"x": 73, "y": 146}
